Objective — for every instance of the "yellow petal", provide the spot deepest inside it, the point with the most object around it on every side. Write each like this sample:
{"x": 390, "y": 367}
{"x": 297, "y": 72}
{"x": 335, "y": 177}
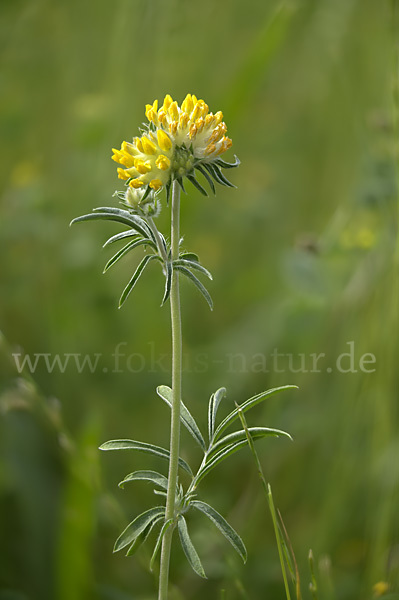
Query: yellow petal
{"x": 167, "y": 102}
{"x": 136, "y": 183}
{"x": 117, "y": 155}
{"x": 122, "y": 174}
{"x": 204, "y": 108}
{"x": 155, "y": 184}
{"x": 127, "y": 160}
{"x": 218, "y": 117}
{"x": 128, "y": 147}
{"x": 162, "y": 162}
{"x": 148, "y": 111}
{"x": 174, "y": 111}
{"x": 187, "y": 104}
{"x": 164, "y": 141}
{"x": 142, "y": 166}
{"x": 148, "y": 146}
{"x": 152, "y": 116}
{"x": 138, "y": 144}
{"x": 196, "y": 112}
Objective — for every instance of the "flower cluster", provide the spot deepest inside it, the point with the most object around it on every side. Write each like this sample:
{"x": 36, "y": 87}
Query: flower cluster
{"x": 177, "y": 141}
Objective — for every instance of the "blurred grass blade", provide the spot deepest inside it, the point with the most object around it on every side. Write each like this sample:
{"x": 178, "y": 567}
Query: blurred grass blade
{"x": 224, "y": 527}
{"x": 313, "y": 583}
{"x": 279, "y": 541}
{"x": 267, "y": 42}
{"x": 143, "y": 447}
{"x": 188, "y": 548}
{"x": 186, "y": 417}
{"x": 137, "y": 526}
{"x": 74, "y": 568}
{"x": 268, "y": 492}
{"x": 291, "y": 558}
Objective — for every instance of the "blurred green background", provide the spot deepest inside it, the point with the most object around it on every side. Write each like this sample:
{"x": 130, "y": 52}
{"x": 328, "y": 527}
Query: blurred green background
{"x": 304, "y": 258}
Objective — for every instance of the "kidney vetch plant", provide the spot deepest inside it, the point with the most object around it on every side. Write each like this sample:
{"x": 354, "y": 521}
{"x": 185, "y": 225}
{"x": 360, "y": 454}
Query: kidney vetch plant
{"x": 178, "y": 143}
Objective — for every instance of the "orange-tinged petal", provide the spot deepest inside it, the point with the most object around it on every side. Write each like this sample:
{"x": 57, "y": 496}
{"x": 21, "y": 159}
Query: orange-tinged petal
{"x": 193, "y": 131}
{"x": 183, "y": 120}
{"x": 218, "y": 117}
{"x": 199, "y": 123}
{"x": 155, "y": 184}
{"x": 136, "y": 183}
{"x": 162, "y": 162}
{"x": 173, "y": 127}
{"x": 225, "y": 145}
{"x": 210, "y": 149}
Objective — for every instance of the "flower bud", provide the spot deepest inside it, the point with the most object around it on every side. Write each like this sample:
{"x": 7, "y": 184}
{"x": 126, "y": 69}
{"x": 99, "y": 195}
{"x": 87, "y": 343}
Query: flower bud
{"x": 146, "y": 207}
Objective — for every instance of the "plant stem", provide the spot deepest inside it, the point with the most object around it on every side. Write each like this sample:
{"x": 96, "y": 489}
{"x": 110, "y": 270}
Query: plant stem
{"x": 176, "y": 395}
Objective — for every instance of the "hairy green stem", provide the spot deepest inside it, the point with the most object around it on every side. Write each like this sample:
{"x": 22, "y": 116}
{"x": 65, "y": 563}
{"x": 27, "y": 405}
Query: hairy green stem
{"x": 176, "y": 396}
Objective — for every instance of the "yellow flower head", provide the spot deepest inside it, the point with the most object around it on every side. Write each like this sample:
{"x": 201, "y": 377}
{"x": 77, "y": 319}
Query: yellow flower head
{"x": 380, "y": 588}
{"x": 178, "y": 141}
